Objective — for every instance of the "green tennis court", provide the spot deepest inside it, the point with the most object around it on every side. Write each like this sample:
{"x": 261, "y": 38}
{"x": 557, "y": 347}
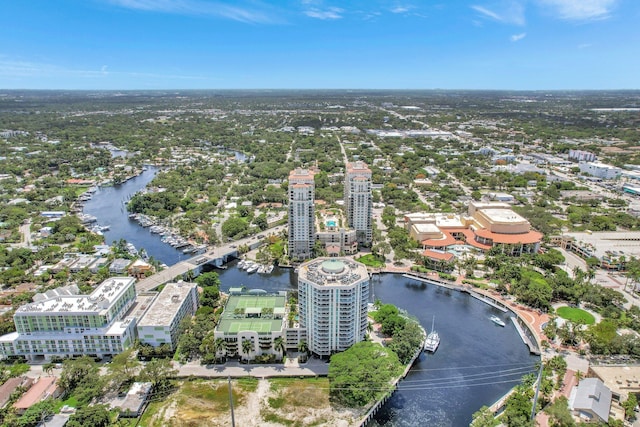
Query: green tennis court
{"x": 247, "y": 313}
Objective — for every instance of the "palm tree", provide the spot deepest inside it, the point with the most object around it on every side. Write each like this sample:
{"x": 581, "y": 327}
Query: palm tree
{"x": 579, "y": 375}
{"x": 246, "y": 348}
{"x": 303, "y": 347}
{"x": 278, "y": 345}
{"x": 220, "y": 345}
{"x": 47, "y": 368}
{"x": 208, "y": 344}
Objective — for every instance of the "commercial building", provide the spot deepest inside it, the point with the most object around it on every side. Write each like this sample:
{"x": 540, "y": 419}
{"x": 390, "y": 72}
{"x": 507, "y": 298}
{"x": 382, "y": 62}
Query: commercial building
{"x": 256, "y": 318}
{"x": 332, "y": 297}
{"x": 611, "y": 248}
{"x": 621, "y": 379}
{"x": 358, "y": 201}
{"x": 591, "y": 400}
{"x": 301, "y": 214}
{"x": 485, "y": 226}
{"x": 581, "y": 156}
{"x": 600, "y": 170}
{"x": 74, "y": 325}
{"x": 159, "y": 325}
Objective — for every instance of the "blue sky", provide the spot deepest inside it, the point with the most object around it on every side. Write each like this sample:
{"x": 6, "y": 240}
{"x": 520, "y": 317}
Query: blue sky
{"x": 359, "y": 44}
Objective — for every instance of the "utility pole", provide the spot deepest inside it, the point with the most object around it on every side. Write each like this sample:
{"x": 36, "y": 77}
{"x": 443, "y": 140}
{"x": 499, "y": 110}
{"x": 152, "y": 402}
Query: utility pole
{"x": 535, "y": 396}
{"x": 233, "y": 420}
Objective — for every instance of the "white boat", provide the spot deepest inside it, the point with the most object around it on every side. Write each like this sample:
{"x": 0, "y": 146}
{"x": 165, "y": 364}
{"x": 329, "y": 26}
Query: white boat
{"x": 433, "y": 339}
{"x": 262, "y": 268}
{"x": 498, "y": 321}
{"x": 241, "y": 264}
{"x": 269, "y": 269}
{"x": 253, "y": 268}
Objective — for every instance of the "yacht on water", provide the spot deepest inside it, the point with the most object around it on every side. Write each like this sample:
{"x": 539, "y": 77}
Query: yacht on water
{"x": 498, "y": 321}
{"x": 433, "y": 339}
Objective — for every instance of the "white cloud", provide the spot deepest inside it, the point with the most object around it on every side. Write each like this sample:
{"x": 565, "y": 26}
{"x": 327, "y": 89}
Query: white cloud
{"x": 517, "y": 37}
{"x": 580, "y": 10}
{"x": 486, "y": 12}
{"x": 400, "y": 9}
{"x": 584, "y": 46}
{"x": 330, "y": 13}
{"x": 506, "y": 11}
{"x": 198, "y": 7}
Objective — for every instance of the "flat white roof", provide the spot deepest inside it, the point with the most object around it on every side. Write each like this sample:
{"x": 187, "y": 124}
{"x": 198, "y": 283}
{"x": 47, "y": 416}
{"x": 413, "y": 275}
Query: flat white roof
{"x": 99, "y": 301}
{"x": 166, "y": 305}
{"x": 449, "y": 221}
{"x": 503, "y": 215}
{"x": 617, "y": 243}
{"x": 426, "y": 228}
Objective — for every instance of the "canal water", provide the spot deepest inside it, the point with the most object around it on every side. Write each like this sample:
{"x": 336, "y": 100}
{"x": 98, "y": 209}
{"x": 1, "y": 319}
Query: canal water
{"x": 477, "y": 361}
{"x": 108, "y": 204}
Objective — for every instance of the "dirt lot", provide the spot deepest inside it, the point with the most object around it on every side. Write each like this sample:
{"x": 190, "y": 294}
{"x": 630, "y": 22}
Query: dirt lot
{"x": 265, "y": 403}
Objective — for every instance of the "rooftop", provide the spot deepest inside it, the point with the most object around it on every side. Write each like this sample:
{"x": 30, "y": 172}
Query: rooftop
{"x": 520, "y": 238}
{"x": 333, "y": 272}
{"x": 166, "y": 305}
{"x": 358, "y": 167}
{"x": 619, "y": 379}
{"x": 503, "y": 216}
{"x": 607, "y": 243}
{"x": 97, "y": 302}
{"x": 437, "y": 255}
{"x": 247, "y": 313}
{"x": 40, "y": 390}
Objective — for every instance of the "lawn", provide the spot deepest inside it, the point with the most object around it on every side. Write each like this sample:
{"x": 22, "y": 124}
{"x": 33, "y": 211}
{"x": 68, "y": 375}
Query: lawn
{"x": 371, "y": 260}
{"x": 70, "y": 401}
{"x": 575, "y": 314}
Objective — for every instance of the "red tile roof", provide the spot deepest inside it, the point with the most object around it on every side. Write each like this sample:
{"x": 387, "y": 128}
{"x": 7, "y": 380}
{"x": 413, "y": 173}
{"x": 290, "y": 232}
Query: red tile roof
{"x": 440, "y": 256}
{"x": 10, "y": 386}
{"x": 524, "y": 238}
{"x": 447, "y": 240}
{"x": 45, "y": 387}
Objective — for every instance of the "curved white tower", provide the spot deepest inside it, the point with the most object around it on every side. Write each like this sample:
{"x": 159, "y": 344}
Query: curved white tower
{"x": 333, "y": 294}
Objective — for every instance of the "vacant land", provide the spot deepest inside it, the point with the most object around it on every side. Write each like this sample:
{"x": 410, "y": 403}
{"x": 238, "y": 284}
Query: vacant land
{"x": 274, "y": 402}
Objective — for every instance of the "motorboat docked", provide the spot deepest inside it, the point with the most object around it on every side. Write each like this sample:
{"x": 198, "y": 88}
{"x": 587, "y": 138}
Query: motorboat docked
{"x": 253, "y": 268}
{"x": 498, "y": 321}
{"x": 433, "y": 339}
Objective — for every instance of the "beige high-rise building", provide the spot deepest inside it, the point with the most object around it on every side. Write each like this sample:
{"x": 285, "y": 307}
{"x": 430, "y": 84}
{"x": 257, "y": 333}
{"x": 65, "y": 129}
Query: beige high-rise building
{"x": 301, "y": 214}
{"x": 358, "y": 201}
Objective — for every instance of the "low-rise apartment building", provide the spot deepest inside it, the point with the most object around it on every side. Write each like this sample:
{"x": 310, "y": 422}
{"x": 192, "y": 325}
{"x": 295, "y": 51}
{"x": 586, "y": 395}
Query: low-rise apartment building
{"x": 257, "y": 318}
{"x": 159, "y": 325}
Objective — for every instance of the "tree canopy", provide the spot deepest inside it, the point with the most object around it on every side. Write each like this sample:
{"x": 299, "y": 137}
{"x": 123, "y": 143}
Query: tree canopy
{"x": 362, "y": 373}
